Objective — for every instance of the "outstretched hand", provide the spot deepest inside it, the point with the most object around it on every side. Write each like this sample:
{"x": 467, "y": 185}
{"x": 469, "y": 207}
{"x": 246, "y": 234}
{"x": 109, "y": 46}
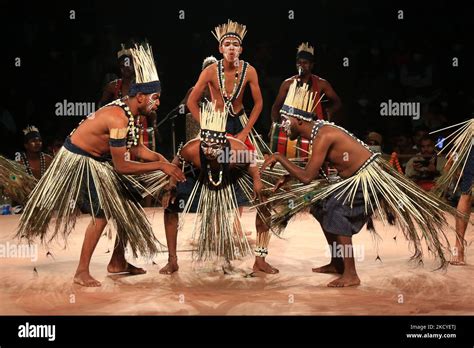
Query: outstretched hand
{"x": 169, "y": 196}
{"x": 242, "y": 136}
{"x": 257, "y": 191}
{"x": 173, "y": 171}
{"x": 270, "y": 161}
{"x": 282, "y": 181}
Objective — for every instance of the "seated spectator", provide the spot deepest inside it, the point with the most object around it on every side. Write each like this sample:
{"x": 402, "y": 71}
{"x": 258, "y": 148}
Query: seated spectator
{"x": 419, "y": 133}
{"x": 426, "y": 165}
{"x": 33, "y": 159}
{"x": 403, "y": 146}
{"x": 374, "y": 140}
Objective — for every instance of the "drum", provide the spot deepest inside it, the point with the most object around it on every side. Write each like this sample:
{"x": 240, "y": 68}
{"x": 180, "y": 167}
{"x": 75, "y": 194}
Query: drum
{"x": 279, "y": 142}
{"x": 147, "y": 136}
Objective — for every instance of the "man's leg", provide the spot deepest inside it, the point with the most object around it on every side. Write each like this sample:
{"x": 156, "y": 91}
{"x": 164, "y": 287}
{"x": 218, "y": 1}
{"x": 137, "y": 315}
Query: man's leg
{"x": 263, "y": 239}
{"x": 464, "y": 206}
{"x": 91, "y": 237}
{"x": 241, "y": 210}
{"x": 118, "y": 263}
{"x": 336, "y": 265}
{"x": 349, "y": 276}
{"x": 171, "y": 230}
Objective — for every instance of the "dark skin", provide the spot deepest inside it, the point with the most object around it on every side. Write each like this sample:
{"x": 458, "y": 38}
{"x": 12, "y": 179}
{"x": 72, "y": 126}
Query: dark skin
{"x": 324, "y": 86}
{"x": 33, "y": 151}
{"x": 347, "y": 156}
{"x": 93, "y": 136}
{"x": 427, "y": 149}
{"x": 190, "y": 152}
{"x": 464, "y": 206}
{"x": 127, "y": 74}
{"x": 231, "y": 49}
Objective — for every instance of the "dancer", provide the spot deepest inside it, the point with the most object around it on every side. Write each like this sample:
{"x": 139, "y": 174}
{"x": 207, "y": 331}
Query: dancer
{"x": 459, "y": 172}
{"x": 367, "y": 185}
{"x": 81, "y": 177}
{"x": 318, "y": 85}
{"x": 227, "y": 80}
{"x": 119, "y": 88}
{"x": 221, "y": 167}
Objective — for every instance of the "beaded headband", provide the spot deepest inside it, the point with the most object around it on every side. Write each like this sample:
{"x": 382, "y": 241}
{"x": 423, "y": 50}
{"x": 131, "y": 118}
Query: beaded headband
{"x": 299, "y": 102}
{"x": 146, "y": 76}
{"x": 213, "y": 123}
{"x": 230, "y": 29}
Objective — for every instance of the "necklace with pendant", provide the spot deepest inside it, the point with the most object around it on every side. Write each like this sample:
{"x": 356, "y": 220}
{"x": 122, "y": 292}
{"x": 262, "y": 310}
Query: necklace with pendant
{"x": 209, "y": 174}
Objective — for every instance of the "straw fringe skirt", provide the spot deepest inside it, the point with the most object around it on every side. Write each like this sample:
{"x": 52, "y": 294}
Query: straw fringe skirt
{"x": 75, "y": 180}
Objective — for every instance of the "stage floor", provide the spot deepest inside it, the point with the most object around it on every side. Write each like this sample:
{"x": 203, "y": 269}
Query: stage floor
{"x": 392, "y": 286}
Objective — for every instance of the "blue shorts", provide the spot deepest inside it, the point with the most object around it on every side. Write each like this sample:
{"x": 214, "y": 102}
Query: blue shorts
{"x": 338, "y": 218}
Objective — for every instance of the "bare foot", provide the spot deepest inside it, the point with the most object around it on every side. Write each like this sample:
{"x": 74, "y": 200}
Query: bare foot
{"x": 458, "y": 260}
{"x": 333, "y": 267}
{"x": 261, "y": 265}
{"x": 345, "y": 280}
{"x": 85, "y": 279}
{"x": 125, "y": 268}
{"x": 170, "y": 268}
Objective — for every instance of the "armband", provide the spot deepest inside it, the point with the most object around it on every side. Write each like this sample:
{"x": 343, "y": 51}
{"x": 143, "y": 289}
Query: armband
{"x": 118, "y": 137}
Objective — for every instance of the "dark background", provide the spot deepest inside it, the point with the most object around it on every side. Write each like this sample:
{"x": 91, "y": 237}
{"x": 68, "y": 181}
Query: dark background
{"x": 73, "y": 59}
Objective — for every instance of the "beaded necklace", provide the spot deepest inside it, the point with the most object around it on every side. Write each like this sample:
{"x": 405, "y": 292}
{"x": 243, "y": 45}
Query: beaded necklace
{"x": 226, "y": 96}
{"x": 28, "y": 167}
{"x": 319, "y": 123}
{"x": 133, "y": 127}
{"x": 209, "y": 174}
{"x": 238, "y": 84}
{"x": 317, "y": 126}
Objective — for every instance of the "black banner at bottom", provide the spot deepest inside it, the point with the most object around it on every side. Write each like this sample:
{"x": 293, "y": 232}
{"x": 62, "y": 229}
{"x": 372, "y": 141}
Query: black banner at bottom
{"x": 240, "y": 330}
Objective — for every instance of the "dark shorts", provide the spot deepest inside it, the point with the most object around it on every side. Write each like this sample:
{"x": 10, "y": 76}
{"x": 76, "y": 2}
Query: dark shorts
{"x": 184, "y": 189}
{"x": 233, "y": 126}
{"x": 89, "y": 204}
{"x": 465, "y": 185}
{"x": 338, "y": 218}
{"x": 88, "y": 200}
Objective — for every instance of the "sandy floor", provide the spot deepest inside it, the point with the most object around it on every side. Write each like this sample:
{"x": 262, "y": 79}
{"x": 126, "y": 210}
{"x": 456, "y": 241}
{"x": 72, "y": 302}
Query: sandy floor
{"x": 392, "y": 286}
